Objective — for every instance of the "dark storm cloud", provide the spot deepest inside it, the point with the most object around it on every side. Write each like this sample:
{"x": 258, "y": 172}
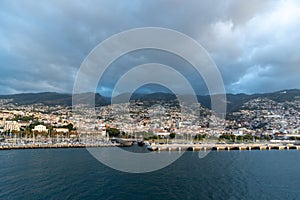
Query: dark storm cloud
{"x": 42, "y": 43}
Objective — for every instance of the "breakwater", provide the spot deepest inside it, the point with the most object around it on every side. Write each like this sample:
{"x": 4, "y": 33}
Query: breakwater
{"x": 220, "y": 147}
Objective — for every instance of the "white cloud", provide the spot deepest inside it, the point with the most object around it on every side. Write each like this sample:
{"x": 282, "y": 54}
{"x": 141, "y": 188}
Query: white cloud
{"x": 46, "y": 41}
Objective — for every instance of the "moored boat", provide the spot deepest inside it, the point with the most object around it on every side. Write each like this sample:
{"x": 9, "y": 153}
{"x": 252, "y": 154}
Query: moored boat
{"x": 140, "y": 143}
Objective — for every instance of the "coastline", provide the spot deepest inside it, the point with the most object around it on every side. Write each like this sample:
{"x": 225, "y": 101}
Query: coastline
{"x": 165, "y": 147}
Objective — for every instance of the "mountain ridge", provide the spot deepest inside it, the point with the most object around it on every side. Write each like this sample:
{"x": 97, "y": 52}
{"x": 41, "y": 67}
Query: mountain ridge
{"x": 234, "y": 101}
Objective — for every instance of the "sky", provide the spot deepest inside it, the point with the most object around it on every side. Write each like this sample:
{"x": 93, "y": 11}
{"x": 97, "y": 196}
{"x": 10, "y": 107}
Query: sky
{"x": 254, "y": 44}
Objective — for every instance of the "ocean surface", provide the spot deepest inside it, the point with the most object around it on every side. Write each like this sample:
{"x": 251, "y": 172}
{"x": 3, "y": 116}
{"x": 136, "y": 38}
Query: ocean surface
{"x": 75, "y": 174}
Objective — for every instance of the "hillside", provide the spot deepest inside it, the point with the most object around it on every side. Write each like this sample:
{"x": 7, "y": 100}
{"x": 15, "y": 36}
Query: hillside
{"x": 49, "y": 99}
{"x": 234, "y": 101}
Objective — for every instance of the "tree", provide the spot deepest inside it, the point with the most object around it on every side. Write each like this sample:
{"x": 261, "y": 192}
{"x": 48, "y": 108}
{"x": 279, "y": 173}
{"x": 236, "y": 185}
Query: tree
{"x": 14, "y": 131}
{"x": 32, "y": 125}
{"x": 154, "y": 137}
{"x": 240, "y": 138}
{"x": 227, "y": 137}
{"x": 267, "y": 137}
{"x": 172, "y": 135}
{"x": 43, "y": 133}
{"x": 198, "y": 137}
{"x": 27, "y": 132}
{"x": 248, "y": 137}
{"x": 70, "y": 127}
{"x": 113, "y": 132}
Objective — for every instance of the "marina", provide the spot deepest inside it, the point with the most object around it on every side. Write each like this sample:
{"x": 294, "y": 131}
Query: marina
{"x": 54, "y": 146}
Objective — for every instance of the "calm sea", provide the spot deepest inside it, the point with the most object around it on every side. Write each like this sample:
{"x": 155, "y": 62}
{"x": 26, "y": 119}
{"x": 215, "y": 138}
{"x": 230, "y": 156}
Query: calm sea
{"x": 75, "y": 174}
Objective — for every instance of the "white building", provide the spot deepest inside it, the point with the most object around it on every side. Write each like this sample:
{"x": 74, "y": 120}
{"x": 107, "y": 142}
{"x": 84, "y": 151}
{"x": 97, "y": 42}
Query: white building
{"x": 61, "y": 130}
{"x": 103, "y": 130}
{"x": 11, "y": 126}
{"x": 162, "y": 134}
{"x": 40, "y": 128}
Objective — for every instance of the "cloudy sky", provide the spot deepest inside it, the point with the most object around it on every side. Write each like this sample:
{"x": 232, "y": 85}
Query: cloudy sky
{"x": 255, "y": 43}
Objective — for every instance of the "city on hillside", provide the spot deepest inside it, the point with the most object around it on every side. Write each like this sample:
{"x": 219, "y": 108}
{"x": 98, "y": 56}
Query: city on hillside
{"x": 257, "y": 120}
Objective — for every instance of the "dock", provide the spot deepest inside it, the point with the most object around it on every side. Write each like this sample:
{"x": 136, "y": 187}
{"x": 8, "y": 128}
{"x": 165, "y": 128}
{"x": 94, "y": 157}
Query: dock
{"x": 55, "y": 146}
{"x": 221, "y": 147}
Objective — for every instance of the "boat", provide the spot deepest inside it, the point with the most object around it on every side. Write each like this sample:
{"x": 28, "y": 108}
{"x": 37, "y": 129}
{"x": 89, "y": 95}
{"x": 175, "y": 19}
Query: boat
{"x": 140, "y": 143}
{"x": 152, "y": 148}
{"x": 125, "y": 142}
{"x": 147, "y": 143}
